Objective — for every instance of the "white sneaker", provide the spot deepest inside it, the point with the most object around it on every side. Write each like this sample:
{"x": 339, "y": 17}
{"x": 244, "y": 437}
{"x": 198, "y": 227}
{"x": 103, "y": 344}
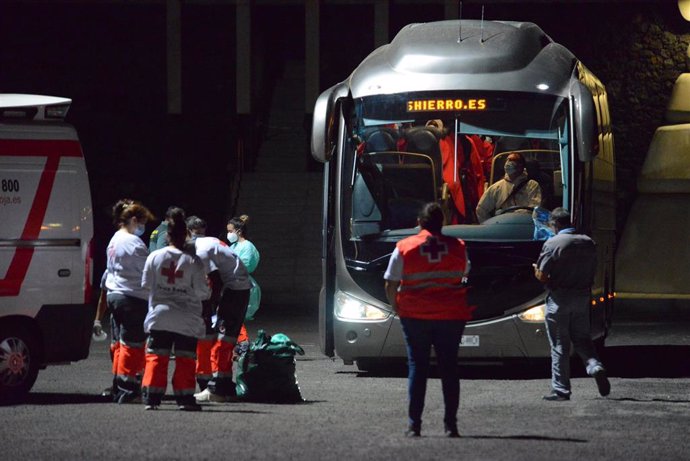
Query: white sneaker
{"x": 208, "y": 396}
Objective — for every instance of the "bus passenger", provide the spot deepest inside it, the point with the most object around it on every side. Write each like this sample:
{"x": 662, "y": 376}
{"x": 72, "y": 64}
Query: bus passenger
{"x": 127, "y": 300}
{"x": 424, "y": 287}
{"x": 514, "y": 190}
{"x": 567, "y": 265}
{"x": 177, "y": 282}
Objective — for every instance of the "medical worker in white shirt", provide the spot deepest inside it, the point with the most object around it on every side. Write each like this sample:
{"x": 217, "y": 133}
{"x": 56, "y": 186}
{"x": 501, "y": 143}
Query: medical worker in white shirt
{"x": 127, "y": 299}
{"x": 231, "y": 284}
{"x": 176, "y": 279}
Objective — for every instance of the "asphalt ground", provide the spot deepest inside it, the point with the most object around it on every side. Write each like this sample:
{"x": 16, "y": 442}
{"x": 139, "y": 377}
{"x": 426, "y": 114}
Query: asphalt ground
{"x": 352, "y": 415}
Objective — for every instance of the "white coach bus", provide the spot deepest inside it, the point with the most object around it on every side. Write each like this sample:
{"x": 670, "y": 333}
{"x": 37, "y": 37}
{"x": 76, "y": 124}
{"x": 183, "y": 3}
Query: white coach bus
{"x": 490, "y": 88}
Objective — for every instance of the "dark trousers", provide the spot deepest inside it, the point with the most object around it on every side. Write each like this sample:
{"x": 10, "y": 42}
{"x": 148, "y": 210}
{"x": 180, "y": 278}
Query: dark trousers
{"x": 231, "y": 311}
{"x": 445, "y": 336}
{"x": 127, "y": 327}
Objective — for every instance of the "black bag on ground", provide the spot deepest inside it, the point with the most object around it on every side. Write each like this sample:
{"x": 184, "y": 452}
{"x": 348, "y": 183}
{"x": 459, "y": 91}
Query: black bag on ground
{"x": 267, "y": 372}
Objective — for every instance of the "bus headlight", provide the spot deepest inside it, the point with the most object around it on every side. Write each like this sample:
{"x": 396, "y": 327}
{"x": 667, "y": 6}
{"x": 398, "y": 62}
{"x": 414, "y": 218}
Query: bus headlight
{"x": 349, "y": 308}
{"x": 534, "y": 314}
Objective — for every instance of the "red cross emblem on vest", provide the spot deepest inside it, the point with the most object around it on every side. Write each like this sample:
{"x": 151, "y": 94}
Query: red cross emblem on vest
{"x": 433, "y": 249}
{"x": 171, "y": 273}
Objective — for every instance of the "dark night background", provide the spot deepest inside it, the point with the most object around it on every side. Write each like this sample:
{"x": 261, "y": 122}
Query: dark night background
{"x": 109, "y": 57}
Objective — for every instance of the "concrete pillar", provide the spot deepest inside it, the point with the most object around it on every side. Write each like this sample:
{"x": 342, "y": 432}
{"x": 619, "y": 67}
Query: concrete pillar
{"x": 450, "y": 9}
{"x": 174, "y": 55}
{"x": 381, "y": 26}
{"x": 312, "y": 33}
{"x": 243, "y": 72}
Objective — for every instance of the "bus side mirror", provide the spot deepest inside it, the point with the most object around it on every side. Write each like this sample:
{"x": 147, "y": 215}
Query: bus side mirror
{"x": 584, "y": 115}
{"x": 325, "y": 125}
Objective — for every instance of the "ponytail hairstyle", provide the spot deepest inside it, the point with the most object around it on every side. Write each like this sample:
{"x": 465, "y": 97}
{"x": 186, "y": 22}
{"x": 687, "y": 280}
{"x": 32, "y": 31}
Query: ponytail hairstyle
{"x": 240, "y": 224}
{"x": 431, "y": 217}
{"x": 126, "y": 209}
{"x": 177, "y": 227}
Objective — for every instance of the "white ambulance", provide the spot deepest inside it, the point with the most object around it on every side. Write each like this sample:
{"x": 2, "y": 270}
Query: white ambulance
{"x": 46, "y": 228}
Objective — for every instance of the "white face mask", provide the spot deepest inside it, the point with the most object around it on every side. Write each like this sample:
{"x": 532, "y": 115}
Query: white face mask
{"x": 511, "y": 168}
{"x": 232, "y": 237}
{"x": 140, "y": 229}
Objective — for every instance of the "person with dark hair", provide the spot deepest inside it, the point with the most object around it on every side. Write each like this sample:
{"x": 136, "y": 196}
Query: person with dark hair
{"x": 245, "y": 249}
{"x": 514, "y": 190}
{"x": 177, "y": 282}
{"x": 125, "y": 258}
{"x": 247, "y": 252}
{"x": 424, "y": 285}
{"x": 230, "y": 285}
{"x": 204, "y": 369}
{"x": 567, "y": 266}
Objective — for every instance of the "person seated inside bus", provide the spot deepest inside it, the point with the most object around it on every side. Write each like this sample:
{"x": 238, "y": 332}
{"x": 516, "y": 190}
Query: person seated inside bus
{"x": 514, "y": 190}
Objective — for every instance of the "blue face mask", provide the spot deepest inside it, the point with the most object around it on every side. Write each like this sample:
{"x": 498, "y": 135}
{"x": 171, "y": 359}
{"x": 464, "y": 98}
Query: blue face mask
{"x": 139, "y": 231}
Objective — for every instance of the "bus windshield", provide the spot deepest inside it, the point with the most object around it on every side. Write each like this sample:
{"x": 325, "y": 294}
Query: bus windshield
{"x": 402, "y": 151}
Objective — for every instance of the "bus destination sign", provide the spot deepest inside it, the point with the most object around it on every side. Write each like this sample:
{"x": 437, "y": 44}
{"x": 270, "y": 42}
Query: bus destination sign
{"x": 441, "y": 105}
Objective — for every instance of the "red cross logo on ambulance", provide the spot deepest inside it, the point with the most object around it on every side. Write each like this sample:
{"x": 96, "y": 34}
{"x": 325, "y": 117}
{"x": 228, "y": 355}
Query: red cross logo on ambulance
{"x": 433, "y": 249}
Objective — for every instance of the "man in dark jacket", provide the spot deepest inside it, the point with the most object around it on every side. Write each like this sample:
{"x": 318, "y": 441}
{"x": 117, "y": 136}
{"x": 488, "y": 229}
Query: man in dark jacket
{"x": 567, "y": 265}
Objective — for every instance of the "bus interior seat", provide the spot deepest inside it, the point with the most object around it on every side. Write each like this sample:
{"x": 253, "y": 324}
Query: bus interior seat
{"x": 404, "y": 212}
{"x": 424, "y": 140}
{"x": 380, "y": 140}
{"x": 412, "y": 186}
{"x": 497, "y": 167}
{"x": 544, "y": 179}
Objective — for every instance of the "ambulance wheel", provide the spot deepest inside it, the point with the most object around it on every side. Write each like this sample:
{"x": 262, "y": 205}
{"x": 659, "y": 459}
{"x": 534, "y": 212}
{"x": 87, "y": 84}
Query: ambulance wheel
{"x": 18, "y": 362}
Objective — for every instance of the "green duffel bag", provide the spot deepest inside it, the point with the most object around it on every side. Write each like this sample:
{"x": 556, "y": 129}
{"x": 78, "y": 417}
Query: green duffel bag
{"x": 266, "y": 373}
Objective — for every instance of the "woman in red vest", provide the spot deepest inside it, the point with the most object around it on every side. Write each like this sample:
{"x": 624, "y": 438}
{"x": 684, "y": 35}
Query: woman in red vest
{"x": 424, "y": 286}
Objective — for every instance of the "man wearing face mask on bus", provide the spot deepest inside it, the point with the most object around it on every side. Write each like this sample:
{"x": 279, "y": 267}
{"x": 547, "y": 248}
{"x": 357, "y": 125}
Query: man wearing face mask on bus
{"x": 514, "y": 190}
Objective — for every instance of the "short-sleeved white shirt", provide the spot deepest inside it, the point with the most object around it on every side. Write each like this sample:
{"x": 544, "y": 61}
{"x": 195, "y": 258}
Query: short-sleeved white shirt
{"x": 177, "y": 284}
{"x": 125, "y": 258}
{"x": 217, "y": 255}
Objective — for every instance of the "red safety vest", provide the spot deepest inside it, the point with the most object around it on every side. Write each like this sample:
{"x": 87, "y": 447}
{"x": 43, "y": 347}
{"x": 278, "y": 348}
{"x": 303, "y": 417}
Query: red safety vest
{"x": 433, "y": 267}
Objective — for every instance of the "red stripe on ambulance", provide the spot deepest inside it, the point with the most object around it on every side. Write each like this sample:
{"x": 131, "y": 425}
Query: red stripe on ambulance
{"x": 53, "y": 150}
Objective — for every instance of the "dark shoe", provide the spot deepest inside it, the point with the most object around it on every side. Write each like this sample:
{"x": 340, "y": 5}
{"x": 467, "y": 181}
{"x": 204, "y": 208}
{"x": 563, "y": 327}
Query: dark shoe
{"x": 189, "y": 407}
{"x": 129, "y": 398}
{"x": 413, "y": 432}
{"x": 602, "y": 381}
{"x": 451, "y": 431}
{"x": 556, "y": 397}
